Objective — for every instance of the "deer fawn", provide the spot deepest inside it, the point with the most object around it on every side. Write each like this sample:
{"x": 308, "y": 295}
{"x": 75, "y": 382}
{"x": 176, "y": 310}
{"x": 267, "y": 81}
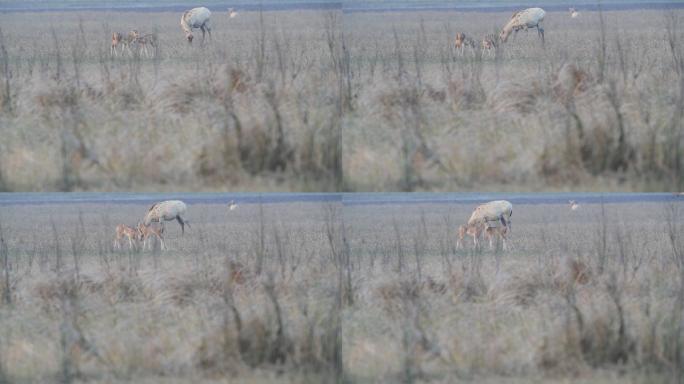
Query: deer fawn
{"x": 489, "y": 43}
{"x": 147, "y": 231}
{"x": 496, "y": 232}
{"x": 122, "y": 231}
{"x": 143, "y": 41}
{"x": 462, "y": 41}
{"x": 118, "y": 39}
{"x": 473, "y": 231}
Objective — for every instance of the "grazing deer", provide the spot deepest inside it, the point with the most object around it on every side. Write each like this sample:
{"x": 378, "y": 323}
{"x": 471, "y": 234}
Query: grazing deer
{"x": 167, "y": 211}
{"x": 489, "y": 43}
{"x": 499, "y": 232}
{"x": 122, "y": 231}
{"x": 473, "y": 231}
{"x": 499, "y": 211}
{"x": 118, "y": 39}
{"x": 150, "y": 230}
{"x": 524, "y": 20}
{"x": 196, "y": 18}
{"x": 462, "y": 41}
{"x": 143, "y": 41}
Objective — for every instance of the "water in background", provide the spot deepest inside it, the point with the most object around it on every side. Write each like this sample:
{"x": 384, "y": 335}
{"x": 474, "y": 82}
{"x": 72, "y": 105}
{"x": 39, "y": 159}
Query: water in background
{"x": 163, "y": 5}
{"x": 504, "y": 5}
{"x": 344, "y": 198}
{"x": 346, "y": 5}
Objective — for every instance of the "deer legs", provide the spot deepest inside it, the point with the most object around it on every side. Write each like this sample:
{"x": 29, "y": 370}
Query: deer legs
{"x": 182, "y": 224}
{"x": 205, "y": 29}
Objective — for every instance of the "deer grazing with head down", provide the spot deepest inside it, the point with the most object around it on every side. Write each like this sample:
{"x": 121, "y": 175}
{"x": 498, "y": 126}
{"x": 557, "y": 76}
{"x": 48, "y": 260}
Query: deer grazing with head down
{"x": 195, "y": 18}
{"x": 524, "y": 20}
{"x": 168, "y": 210}
{"x": 497, "y": 212}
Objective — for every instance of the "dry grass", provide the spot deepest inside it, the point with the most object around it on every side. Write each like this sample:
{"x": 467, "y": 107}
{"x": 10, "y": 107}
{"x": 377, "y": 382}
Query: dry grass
{"x": 254, "y": 109}
{"x": 330, "y": 101}
{"x": 599, "y": 105}
{"x": 304, "y": 292}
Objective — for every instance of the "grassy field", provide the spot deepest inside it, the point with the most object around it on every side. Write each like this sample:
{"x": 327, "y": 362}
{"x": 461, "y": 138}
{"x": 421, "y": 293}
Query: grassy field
{"x": 254, "y": 109}
{"x": 309, "y": 293}
{"x": 597, "y": 107}
{"x": 326, "y": 101}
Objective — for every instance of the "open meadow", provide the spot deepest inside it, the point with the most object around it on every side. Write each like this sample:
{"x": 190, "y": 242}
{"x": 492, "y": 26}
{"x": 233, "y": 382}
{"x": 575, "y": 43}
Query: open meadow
{"x": 254, "y": 108}
{"x": 342, "y": 101}
{"x": 325, "y": 289}
{"x": 343, "y": 292}
{"x": 597, "y": 107}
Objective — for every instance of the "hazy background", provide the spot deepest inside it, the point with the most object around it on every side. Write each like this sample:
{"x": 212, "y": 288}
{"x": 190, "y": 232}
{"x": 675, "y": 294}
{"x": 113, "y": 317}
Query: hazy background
{"x": 341, "y": 96}
{"x": 348, "y": 5}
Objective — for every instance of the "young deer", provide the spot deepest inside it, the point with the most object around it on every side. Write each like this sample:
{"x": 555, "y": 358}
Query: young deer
{"x": 118, "y": 39}
{"x": 146, "y": 231}
{"x": 462, "y": 41}
{"x": 499, "y": 232}
{"x": 489, "y": 43}
{"x": 122, "y": 231}
{"x": 473, "y": 231}
{"x": 143, "y": 41}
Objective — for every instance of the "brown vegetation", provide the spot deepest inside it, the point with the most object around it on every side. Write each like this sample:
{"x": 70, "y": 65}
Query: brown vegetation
{"x": 332, "y": 101}
{"x": 597, "y": 105}
{"x": 303, "y": 292}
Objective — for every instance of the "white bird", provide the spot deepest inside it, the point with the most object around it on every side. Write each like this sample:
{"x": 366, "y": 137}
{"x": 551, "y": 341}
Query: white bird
{"x": 196, "y": 18}
{"x": 573, "y": 13}
{"x": 499, "y": 211}
{"x": 167, "y": 211}
{"x": 232, "y": 205}
{"x": 528, "y": 18}
{"x": 231, "y": 13}
{"x": 573, "y": 205}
